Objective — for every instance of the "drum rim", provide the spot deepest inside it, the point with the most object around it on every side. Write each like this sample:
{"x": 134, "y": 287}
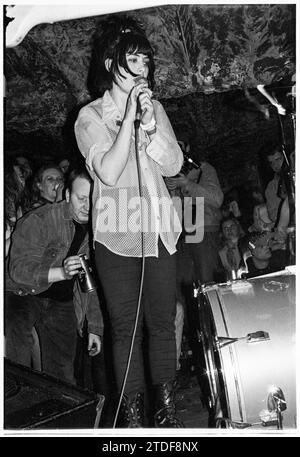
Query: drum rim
{"x": 219, "y": 319}
{"x": 215, "y": 375}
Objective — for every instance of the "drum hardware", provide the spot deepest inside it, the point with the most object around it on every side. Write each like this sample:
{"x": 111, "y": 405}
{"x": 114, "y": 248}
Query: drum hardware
{"x": 237, "y": 392}
{"x": 99, "y": 409}
{"x": 223, "y": 341}
{"x": 205, "y": 337}
{"x": 258, "y": 336}
{"x": 241, "y": 287}
{"x": 254, "y": 337}
{"x": 196, "y": 290}
{"x": 241, "y": 425}
{"x": 268, "y": 418}
{"x": 233, "y": 424}
{"x": 201, "y": 288}
{"x": 270, "y": 423}
{"x": 276, "y": 402}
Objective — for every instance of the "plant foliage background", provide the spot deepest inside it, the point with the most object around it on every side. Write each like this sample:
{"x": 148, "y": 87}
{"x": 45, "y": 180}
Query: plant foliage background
{"x": 206, "y": 56}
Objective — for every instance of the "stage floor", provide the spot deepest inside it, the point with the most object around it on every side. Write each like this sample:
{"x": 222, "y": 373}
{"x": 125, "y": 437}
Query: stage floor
{"x": 189, "y": 407}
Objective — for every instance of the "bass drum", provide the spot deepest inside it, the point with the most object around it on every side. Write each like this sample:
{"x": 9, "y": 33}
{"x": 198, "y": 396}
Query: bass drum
{"x": 248, "y": 332}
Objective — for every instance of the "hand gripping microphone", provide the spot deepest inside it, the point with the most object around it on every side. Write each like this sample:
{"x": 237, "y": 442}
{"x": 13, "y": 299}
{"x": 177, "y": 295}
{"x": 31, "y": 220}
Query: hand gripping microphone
{"x": 139, "y": 113}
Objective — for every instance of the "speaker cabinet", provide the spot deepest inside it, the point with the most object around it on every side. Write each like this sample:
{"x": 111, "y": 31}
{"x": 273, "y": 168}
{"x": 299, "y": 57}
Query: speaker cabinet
{"x": 34, "y": 400}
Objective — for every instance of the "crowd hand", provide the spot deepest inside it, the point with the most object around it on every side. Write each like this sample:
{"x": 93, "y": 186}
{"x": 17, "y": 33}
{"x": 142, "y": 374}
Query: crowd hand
{"x": 94, "y": 344}
{"x": 59, "y": 192}
{"x": 279, "y": 239}
{"x": 71, "y": 266}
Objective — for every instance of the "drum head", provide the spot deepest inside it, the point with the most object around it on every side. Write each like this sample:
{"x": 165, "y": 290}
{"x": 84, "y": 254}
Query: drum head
{"x": 248, "y": 334}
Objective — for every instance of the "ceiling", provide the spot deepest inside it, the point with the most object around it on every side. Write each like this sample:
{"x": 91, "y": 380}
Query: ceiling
{"x": 199, "y": 48}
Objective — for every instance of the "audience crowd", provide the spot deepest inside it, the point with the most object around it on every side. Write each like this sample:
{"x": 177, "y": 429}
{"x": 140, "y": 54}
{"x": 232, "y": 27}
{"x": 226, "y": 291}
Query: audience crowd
{"x": 47, "y": 226}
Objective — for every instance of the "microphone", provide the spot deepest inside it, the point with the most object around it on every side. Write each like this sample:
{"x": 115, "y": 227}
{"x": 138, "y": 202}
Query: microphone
{"x": 139, "y": 113}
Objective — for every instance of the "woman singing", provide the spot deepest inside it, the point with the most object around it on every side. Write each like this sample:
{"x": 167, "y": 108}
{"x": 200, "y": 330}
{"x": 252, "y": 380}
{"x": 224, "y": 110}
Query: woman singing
{"x": 133, "y": 215}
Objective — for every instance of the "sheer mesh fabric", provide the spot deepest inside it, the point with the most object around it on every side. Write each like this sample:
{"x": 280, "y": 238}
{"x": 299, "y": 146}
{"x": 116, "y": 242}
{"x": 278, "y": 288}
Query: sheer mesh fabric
{"x": 117, "y": 210}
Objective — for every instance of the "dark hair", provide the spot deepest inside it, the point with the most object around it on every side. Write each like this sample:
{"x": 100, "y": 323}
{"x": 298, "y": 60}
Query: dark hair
{"x": 77, "y": 173}
{"x": 270, "y": 148}
{"x": 39, "y": 173}
{"x": 15, "y": 196}
{"x": 37, "y": 178}
{"x": 112, "y": 40}
{"x": 230, "y": 218}
{"x": 237, "y": 224}
{"x": 231, "y": 195}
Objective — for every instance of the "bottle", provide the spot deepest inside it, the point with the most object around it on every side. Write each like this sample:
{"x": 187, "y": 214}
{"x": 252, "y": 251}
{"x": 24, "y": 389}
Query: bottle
{"x": 85, "y": 275}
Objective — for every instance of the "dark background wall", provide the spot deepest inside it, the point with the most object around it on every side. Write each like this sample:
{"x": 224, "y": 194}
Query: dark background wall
{"x": 209, "y": 59}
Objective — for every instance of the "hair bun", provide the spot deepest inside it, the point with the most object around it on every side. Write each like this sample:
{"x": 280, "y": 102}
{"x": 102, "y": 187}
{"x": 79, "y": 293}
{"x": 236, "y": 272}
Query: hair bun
{"x": 120, "y": 25}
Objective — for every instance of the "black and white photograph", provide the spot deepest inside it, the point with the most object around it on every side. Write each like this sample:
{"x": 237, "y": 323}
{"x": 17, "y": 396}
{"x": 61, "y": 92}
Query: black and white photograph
{"x": 149, "y": 222}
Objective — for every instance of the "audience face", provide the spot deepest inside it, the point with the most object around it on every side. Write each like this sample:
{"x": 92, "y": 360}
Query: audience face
{"x": 234, "y": 208}
{"x": 79, "y": 199}
{"x": 64, "y": 165}
{"x": 25, "y": 166}
{"x": 230, "y": 230}
{"x": 258, "y": 196}
{"x": 51, "y": 181}
{"x": 275, "y": 161}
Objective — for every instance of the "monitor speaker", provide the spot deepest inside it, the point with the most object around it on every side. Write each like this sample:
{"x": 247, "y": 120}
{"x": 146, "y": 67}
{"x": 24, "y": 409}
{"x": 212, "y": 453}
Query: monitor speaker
{"x": 34, "y": 400}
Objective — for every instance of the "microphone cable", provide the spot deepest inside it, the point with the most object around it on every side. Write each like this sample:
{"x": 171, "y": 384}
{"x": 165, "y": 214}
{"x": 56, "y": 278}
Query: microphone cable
{"x": 136, "y": 142}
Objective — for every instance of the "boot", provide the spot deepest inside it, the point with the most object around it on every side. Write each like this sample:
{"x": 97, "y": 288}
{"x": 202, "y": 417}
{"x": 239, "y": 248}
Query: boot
{"x": 132, "y": 412}
{"x": 165, "y": 407}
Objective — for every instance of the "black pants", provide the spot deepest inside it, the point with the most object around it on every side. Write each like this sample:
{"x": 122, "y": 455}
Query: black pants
{"x": 205, "y": 257}
{"x": 56, "y": 326}
{"x": 120, "y": 277}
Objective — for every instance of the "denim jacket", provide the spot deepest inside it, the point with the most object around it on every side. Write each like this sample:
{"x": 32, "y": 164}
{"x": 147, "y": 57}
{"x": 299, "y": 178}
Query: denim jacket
{"x": 40, "y": 241}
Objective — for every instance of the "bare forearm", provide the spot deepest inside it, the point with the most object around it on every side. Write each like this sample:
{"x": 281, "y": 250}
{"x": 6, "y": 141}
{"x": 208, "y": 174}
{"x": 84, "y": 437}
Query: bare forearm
{"x": 56, "y": 274}
{"x": 110, "y": 166}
